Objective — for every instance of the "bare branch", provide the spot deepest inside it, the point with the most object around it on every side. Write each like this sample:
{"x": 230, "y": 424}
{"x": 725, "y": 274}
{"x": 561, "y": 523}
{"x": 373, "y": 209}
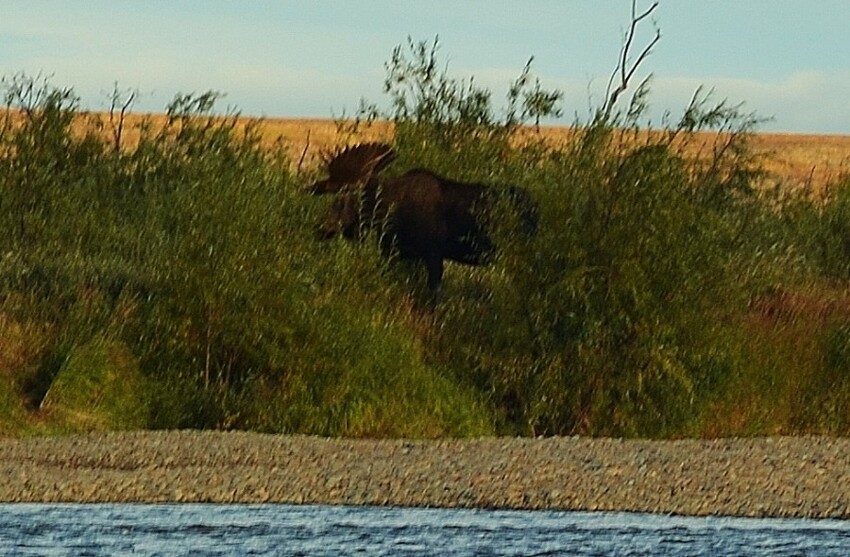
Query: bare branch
{"x": 303, "y": 153}
{"x": 625, "y": 72}
{"x": 121, "y": 106}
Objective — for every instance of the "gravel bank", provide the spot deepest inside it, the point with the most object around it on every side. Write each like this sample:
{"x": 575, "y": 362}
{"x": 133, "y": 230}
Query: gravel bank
{"x": 778, "y": 477}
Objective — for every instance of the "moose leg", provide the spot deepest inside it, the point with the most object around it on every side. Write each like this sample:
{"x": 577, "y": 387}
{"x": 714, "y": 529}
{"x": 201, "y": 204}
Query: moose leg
{"x": 434, "y": 265}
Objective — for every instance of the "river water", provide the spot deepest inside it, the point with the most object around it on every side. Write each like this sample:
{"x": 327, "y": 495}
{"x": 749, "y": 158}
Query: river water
{"x": 231, "y": 530}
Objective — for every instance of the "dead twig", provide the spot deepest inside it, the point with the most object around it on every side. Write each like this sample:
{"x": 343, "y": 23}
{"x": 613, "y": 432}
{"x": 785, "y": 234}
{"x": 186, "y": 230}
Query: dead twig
{"x": 623, "y": 70}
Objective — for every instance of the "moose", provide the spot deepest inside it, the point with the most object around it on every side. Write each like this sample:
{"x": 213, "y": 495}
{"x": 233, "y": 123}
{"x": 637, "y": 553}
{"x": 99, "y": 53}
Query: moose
{"x": 419, "y": 215}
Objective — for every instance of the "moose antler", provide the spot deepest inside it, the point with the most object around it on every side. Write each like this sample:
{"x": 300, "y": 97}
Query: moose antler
{"x": 354, "y": 165}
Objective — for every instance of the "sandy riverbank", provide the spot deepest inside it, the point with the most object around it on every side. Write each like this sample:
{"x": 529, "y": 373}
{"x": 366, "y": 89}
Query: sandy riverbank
{"x": 781, "y": 477}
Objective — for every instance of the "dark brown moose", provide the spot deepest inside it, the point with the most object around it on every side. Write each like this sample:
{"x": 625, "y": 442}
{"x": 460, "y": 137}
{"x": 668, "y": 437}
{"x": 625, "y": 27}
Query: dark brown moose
{"x": 418, "y": 215}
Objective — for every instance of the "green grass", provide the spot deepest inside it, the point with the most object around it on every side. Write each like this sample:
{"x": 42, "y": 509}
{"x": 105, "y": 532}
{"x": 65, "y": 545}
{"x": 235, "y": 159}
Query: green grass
{"x": 98, "y": 387}
{"x": 175, "y": 283}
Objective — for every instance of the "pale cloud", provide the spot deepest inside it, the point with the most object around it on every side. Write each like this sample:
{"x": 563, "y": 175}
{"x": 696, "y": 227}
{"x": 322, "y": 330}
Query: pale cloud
{"x": 805, "y": 101}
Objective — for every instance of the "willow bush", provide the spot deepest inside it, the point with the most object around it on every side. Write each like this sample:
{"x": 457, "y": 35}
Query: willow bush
{"x": 608, "y": 321}
{"x": 180, "y": 272}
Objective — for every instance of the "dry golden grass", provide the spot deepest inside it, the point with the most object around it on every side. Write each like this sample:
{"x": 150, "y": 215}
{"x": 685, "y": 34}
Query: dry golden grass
{"x": 792, "y": 160}
{"x": 301, "y": 138}
{"x": 807, "y": 161}
{"x": 795, "y": 160}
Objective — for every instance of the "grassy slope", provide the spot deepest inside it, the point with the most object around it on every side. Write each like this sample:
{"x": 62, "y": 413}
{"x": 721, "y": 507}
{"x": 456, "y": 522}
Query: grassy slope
{"x": 795, "y": 161}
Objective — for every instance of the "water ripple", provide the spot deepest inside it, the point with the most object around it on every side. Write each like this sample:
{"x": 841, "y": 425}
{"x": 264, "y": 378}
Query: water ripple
{"x": 229, "y": 530}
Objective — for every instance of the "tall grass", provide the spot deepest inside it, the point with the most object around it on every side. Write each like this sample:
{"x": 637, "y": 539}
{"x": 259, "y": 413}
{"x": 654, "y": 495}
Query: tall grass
{"x": 191, "y": 252}
{"x": 175, "y": 282}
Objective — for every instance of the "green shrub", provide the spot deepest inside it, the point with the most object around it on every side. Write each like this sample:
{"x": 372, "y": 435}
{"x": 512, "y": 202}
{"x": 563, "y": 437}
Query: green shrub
{"x": 603, "y": 323}
{"x": 824, "y": 401}
{"x": 363, "y": 374}
{"x": 821, "y": 230}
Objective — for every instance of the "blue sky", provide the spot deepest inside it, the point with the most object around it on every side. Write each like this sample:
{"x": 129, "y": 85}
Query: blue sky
{"x": 785, "y": 59}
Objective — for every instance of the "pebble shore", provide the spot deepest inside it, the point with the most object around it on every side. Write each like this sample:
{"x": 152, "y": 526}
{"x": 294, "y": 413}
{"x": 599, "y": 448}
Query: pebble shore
{"x": 761, "y": 477}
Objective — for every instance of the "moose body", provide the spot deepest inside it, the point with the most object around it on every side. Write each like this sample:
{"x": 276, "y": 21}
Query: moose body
{"x": 423, "y": 216}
